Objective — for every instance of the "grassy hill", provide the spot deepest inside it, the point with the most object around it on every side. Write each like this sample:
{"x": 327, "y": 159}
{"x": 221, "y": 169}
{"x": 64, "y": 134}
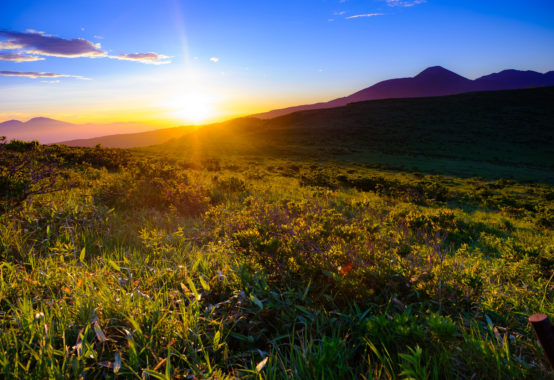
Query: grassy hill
{"x": 299, "y": 247}
{"x": 503, "y": 134}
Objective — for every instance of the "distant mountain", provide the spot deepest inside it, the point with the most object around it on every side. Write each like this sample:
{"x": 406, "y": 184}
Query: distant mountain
{"x": 11, "y": 124}
{"x": 513, "y": 79}
{"x": 41, "y": 122}
{"x": 42, "y": 129}
{"x": 48, "y": 131}
{"x": 433, "y": 81}
{"x": 36, "y": 122}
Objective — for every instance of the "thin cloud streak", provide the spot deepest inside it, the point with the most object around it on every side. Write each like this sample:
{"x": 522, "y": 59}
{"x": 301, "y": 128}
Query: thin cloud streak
{"x": 18, "y": 57}
{"x": 404, "y": 3}
{"x": 36, "y": 74}
{"x": 148, "y": 58}
{"x": 364, "y": 15}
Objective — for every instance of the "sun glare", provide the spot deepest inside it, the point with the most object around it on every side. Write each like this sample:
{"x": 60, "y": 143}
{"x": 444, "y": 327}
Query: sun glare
{"x": 192, "y": 107}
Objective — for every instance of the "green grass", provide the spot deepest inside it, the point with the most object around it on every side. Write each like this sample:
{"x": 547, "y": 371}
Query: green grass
{"x": 164, "y": 268}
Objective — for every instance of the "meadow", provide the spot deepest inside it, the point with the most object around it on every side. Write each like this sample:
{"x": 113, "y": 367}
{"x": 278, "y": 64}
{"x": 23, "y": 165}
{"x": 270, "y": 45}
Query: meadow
{"x": 138, "y": 264}
{"x": 404, "y": 238}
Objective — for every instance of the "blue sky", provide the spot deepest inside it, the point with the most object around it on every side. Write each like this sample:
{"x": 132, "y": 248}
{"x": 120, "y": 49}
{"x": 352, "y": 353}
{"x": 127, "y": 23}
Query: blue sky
{"x": 161, "y": 60}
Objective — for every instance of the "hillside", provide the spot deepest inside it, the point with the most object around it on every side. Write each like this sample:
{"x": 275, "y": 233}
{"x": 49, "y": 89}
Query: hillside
{"x": 492, "y": 134}
{"x": 433, "y": 81}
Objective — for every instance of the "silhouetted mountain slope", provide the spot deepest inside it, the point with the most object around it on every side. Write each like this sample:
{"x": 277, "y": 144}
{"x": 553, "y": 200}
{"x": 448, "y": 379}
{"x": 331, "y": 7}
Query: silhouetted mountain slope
{"x": 433, "y": 81}
{"x": 513, "y": 79}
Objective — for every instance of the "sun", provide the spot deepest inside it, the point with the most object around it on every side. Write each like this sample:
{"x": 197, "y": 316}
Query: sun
{"x": 192, "y": 107}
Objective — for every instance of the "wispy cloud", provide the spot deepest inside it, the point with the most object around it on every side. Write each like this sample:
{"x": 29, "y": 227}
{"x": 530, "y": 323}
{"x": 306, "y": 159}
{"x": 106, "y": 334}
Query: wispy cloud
{"x": 35, "y": 74}
{"x": 148, "y": 58}
{"x": 35, "y": 31}
{"x": 18, "y": 57}
{"x": 404, "y": 3}
{"x": 364, "y": 15}
{"x": 42, "y": 44}
{"x": 214, "y": 59}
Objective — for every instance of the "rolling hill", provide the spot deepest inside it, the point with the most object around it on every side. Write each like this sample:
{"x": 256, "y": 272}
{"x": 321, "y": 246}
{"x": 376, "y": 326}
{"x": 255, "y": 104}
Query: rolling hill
{"x": 506, "y": 134}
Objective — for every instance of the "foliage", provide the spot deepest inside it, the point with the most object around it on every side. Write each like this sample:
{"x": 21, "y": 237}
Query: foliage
{"x": 133, "y": 264}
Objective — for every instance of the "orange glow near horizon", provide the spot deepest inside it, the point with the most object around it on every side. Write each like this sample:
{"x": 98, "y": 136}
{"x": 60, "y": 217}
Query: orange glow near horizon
{"x": 184, "y": 108}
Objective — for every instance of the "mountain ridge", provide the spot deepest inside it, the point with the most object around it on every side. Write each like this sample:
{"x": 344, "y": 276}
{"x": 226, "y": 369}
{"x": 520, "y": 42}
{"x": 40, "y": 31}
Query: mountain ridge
{"x": 432, "y": 81}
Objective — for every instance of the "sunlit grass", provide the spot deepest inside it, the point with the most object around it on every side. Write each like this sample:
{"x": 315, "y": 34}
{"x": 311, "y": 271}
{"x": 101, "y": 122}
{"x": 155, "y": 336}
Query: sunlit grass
{"x": 270, "y": 269}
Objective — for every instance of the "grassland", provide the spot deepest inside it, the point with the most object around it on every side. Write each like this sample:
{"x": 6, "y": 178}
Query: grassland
{"x": 205, "y": 260}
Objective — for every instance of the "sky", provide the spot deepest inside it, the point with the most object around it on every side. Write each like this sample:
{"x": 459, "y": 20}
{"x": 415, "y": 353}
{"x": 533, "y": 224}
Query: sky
{"x": 175, "y": 62}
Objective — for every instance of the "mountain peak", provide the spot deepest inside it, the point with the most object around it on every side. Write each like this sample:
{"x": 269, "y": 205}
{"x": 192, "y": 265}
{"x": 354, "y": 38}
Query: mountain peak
{"x": 46, "y": 122}
{"x": 11, "y": 123}
{"x": 436, "y": 72}
{"x": 40, "y": 119}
